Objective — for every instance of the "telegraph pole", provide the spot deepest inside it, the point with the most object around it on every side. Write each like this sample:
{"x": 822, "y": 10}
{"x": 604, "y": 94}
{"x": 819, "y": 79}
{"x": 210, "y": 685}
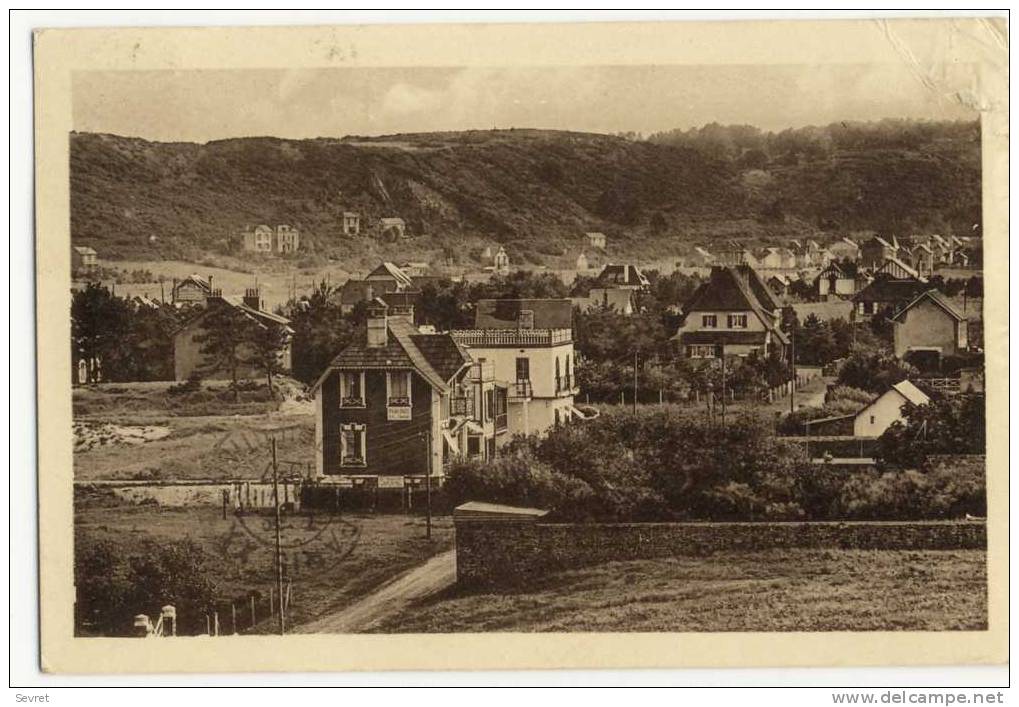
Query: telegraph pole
{"x": 428, "y": 484}
{"x": 635, "y": 382}
{"x": 279, "y": 542}
{"x": 723, "y": 384}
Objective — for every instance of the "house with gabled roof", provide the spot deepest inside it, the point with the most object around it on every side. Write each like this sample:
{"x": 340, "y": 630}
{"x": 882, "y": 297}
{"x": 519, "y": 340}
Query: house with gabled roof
{"x": 399, "y": 404}
{"x": 930, "y": 323}
{"x": 595, "y": 239}
{"x": 844, "y": 249}
{"x": 886, "y": 409}
{"x": 874, "y": 252}
{"x": 732, "y": 314}
{"x": 188, "y": 357}
{"x": 839, "y": 281}
{"x": 921, "y": 258}
{"x": 84, "y": 260}
{"x": 898, "y": 270}
{"x": 193, "y": 289}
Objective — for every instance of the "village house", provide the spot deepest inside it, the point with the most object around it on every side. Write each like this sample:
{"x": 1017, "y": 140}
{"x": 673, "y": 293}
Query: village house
{"x": 398, "y": 405}
{"x": 942, "y": 250}
{"x": 188, "y": 357}
{"x": 263, "y": 239}
{"x": 894, "y": 285}
{"x": 885, "y": 409}
{"x": 501, "y": 261}
{"x": 779, "y": 284}
{"x": 385, "y": 282}
{"x": 595, "y": 239}
{"x": 838, "y": 281}
{"x": 898, "y": 270}
{"x": 874, "y": 418}
{"x": 874, "y": 252}
{"x": 617, "y": 287}
{"x": 84, "y": 260}
{"x": 530, "y": 344}
{"x": 930, "y": 324}
{"x": 393, "y": 228}
{"x": 288, "y": 239}
{"x": 193, "y": 289}
{"x": 732, "y": 314}
{"x": 774, "y": 258}
{"x": 921, "y": 258}
{"x": 844, "y": 249}
{"x": 351, "y": 223}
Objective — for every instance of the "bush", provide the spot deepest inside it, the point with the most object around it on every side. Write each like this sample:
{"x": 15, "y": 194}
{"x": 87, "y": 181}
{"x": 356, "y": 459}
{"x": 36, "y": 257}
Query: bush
{"x": 192, "y": 385}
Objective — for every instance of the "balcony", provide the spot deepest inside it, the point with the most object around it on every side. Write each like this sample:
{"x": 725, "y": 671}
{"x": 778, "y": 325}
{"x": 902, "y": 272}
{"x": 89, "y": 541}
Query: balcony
{"x": 352, "y": 402}
{"x": 520, "y": 389}
{"x": 461, "y": 406}
{"x": 512, "y": 337}
{"x": 399, "y": 402}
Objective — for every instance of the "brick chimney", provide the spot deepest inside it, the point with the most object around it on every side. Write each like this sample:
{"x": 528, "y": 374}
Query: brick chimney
{"x": 251, "y": 298}
{"x": 376, "y": 328}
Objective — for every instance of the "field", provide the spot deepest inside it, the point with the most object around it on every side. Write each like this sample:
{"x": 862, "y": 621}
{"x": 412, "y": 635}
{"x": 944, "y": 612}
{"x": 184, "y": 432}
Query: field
{"x": 140, "y": 431}
{"x": 333, "y": 560}
{"x": 778, "y": 590}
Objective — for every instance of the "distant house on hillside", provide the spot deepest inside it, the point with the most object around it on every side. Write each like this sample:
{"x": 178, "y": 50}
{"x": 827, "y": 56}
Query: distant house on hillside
{"x": 733, "y": 313}
{"x": 930, "y": 323}
{"x": 84, "y": 260}
{"x": 188, "y": 357}
{"x": 616, "y": 287}
{"x": 582, "y": 263}
{"x": 263, "y": 239}
{"x": 351, "y": 224}
{"x": 844, "y": 249}
{"x": 595, "y": 239}
{"x": 193, "y": 289}
{"x": 885, "y": 409}
{"x": 393, "y": 228}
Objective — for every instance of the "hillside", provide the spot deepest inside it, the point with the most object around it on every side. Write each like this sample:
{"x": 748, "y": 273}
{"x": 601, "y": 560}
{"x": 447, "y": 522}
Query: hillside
{"x": 534, "y": 191}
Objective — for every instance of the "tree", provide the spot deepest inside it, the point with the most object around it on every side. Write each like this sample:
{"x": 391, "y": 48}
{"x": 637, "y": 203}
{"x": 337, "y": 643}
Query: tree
{"x": 815, "y": 343}
{"x": 874, "y": 371}
{"x": 947, "y": 425}
{"x": 178, "y": 573}
{"x": 267, "y": 342}
{"x": 99, "y": 321}
{"x": 224, "y": 341}
{"x": 321, "y": 331}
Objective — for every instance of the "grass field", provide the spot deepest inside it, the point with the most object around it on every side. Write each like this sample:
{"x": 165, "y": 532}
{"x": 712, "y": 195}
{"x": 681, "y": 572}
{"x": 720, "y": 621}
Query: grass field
{"x": 778, "y": 590}
{"x": 333, "y": 560}
{"x": 188, "y": 442}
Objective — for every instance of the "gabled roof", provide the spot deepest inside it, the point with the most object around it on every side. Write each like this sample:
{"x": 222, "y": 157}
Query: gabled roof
{"x": 350, "y": 213}
{"x": 627, "y": 274}
{"x": 884, "y": 289}
{"x": 195, "y": 280}
{"x": 392, "y": 221}
{"x": 879, "y": 241}
{"x": 903, "y": 388}
{"x": 596, "y": 234}
{"x": 84, "y": 250}
{"x": 504, "y": 313}
{"x": 886, "y": 268}
{"x": 391, "y": 270}
{"x": 258, "y": 316}
{"x": 938, "y": 299}
{"x": 736, "y": 288}
{"x": 435, "y": 357}
{"x": 922, "y": 246}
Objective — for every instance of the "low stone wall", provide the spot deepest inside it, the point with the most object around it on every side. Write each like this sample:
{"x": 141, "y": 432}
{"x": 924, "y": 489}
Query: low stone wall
{"x": 500, "y": 552}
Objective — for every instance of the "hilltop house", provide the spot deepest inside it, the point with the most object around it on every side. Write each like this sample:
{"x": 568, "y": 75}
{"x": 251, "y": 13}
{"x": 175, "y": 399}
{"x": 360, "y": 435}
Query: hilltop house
{"x": 84, "y": 260}
{"x": 530, "y": 344}
{"x": 875, "y": 252}
{"x": 616, "y": 286}
{"x": 351, "y": 223}
{"x": 595, "y": 239}
{"x": 188, "y": 357}
{"x": 393, "y": 228}
{"x": 193, "y": 289}
{"x": 398, "y": 404}
{"x": 263, "y": 239}
{"x": 931, "y": 324}
{"x": 733, "y": 313}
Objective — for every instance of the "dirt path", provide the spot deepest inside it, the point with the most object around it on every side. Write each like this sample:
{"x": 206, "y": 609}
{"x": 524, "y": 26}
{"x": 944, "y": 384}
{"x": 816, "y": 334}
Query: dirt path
{"x": 433, "y": 576}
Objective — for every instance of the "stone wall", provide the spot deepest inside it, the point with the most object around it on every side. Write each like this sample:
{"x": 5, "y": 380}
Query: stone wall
{"x": 500, "y": 552}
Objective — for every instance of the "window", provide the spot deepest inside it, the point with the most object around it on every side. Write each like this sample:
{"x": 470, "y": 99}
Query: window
{"x": 523, "y": 369}
{"x": 352, "y": 389}
{"x": 473, "y": 446}
{"x": 352, "y": 445}
{"x": 701, "y": 351}
{"x": 872, "y": 419}
{"x": 868, "y": 307}
{"x": 526, "y": 319}
{"x": 489, "y": 412}
{"x": 737, "y": 321}
{"x": 709, "y": 321}
{"x": 558, "y": 376}
{"x": 398, "y": 383}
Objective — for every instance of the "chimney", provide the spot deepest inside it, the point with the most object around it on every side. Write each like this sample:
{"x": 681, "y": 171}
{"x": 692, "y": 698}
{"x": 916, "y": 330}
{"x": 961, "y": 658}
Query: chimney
{"x": 376, "y": 329}
{"x": 402, "y": 311}
{"x": 251, "y": 298}
{"x": 210, "y": 283}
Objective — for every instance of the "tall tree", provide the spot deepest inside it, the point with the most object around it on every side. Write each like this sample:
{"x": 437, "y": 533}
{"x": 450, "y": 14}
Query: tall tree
{"x": 99, "y": 321}
{"x": 266, "y": 344}
{"x": 224, "y": 341}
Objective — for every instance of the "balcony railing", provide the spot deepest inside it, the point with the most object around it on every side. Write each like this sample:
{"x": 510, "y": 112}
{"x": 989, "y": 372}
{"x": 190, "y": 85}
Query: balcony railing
{"x": 351, "y": 402}
{"x": 520, "y": 389}
{"x": 399, "y": 402}
{"x": 461, "y": 407}
{"x": 512, "y": 337}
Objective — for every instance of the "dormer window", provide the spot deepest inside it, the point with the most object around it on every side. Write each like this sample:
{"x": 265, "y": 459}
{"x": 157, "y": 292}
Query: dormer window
{"x": 352, "y": 389}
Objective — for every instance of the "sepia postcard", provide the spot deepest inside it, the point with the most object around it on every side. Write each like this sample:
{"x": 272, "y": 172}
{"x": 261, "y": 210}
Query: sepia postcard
{"x": 491, "y": 346}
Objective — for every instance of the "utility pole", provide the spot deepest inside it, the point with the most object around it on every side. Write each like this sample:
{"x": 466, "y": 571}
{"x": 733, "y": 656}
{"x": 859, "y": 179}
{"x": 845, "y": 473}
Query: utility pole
{"x": 428, "y": 484}
{"x": 279, "y": 541}
{"x": 635, "y": 382}
{"x": 723, "y": 383}
{"x": 792, "y": 361}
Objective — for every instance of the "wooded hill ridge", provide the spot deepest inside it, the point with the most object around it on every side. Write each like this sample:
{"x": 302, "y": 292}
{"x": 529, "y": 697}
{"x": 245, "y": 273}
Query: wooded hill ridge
{"x": 534, "y": 191}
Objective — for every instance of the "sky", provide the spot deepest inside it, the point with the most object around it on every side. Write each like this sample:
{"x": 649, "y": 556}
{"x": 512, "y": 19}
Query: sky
{"x": 198, "y": 106}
